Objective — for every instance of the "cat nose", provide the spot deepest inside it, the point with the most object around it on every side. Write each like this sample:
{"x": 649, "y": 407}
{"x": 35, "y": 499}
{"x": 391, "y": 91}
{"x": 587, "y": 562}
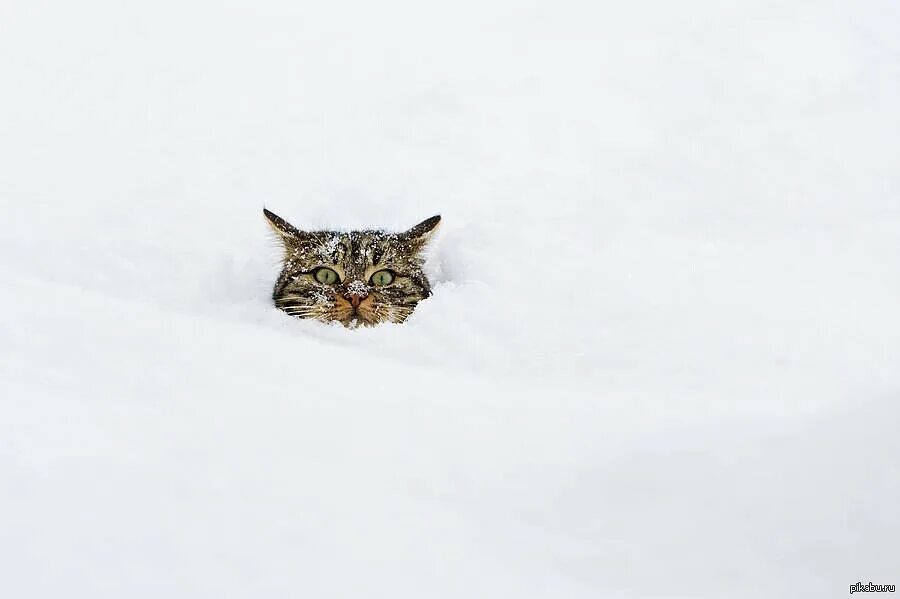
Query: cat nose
{"x": 355, "y": 299}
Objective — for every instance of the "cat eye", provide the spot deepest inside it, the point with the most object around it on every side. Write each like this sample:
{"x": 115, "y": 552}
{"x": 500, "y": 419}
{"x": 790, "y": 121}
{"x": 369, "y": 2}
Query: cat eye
{"x": 382, "y": 278}
{"x": 326, "y": 276}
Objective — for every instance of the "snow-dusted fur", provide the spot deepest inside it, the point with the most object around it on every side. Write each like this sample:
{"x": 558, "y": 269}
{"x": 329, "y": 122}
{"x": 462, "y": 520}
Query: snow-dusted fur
{"x": 377, "y": 276}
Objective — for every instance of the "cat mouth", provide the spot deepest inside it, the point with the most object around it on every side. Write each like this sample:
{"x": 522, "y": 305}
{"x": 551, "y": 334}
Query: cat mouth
{"x": 355, "y": 321}
{"x": 353, "y": 318}
{"x": 357, "y": 309}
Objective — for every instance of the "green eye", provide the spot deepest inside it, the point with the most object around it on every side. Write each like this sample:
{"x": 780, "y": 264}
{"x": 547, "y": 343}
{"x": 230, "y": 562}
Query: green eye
{"x": 382, "y": 278}
{"x": 326, "y": 276}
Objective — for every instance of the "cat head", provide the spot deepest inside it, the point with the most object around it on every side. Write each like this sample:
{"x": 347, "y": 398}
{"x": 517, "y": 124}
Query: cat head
{"x": 355, "y": 277}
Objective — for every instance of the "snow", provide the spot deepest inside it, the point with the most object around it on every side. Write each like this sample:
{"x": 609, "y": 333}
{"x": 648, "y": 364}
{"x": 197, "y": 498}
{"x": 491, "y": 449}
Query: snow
{"x": 660, "y": 360}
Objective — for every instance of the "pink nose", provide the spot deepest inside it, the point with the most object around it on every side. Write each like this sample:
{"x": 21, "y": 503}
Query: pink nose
{"x": 355, "y": 299}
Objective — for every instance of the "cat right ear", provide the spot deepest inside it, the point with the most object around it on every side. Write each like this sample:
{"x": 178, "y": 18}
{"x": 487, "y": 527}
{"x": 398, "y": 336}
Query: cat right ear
{"x": 284, "y": 229}
{"x": 421, "y": 234}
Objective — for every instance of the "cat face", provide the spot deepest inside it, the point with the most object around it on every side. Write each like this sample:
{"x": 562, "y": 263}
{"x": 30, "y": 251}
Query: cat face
{"x": 355, "y": 278}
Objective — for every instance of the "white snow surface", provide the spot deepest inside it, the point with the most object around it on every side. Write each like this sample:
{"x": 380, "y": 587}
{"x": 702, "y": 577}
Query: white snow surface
{"x": 661, "y": 359}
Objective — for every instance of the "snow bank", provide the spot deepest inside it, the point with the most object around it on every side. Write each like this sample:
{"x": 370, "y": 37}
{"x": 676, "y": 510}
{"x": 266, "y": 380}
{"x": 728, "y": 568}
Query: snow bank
{"x": 661, "y": 357}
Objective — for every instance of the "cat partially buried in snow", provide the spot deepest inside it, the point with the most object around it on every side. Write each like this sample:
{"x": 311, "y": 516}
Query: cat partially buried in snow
{"x": 355, "y": 277}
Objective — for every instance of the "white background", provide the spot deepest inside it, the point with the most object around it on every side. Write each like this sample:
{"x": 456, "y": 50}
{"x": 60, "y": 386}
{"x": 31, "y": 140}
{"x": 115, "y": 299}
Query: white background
{"x": 662, "y": 355}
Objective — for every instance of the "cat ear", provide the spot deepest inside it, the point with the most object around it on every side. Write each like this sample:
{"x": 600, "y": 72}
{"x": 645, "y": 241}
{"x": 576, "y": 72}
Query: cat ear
{"x": 284, "y": 229}
{"x": 422, "y": 233}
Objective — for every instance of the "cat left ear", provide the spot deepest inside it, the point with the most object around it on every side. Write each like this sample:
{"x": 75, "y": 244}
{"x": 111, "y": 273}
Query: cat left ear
{"x": 284, "y": 229}
{"x": 422, "y": 233}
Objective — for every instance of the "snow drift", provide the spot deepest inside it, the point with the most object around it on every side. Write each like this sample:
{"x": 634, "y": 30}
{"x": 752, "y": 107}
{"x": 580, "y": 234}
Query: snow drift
{"x": 660, "y": 360}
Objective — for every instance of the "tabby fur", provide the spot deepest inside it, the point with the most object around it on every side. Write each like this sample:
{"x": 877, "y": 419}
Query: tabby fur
{"x": 355, "y": 297}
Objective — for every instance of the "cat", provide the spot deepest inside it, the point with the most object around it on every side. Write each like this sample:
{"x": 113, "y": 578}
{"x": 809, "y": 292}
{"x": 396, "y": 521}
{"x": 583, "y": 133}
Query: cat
{"x": 354, "y": 278}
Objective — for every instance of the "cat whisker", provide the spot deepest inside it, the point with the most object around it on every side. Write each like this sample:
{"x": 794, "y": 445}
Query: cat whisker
{"x": 301, "y": 311}
{"x": 296, "y": 299}
{"x": 298, "y": 312}
{"x": 285, "y": 305}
